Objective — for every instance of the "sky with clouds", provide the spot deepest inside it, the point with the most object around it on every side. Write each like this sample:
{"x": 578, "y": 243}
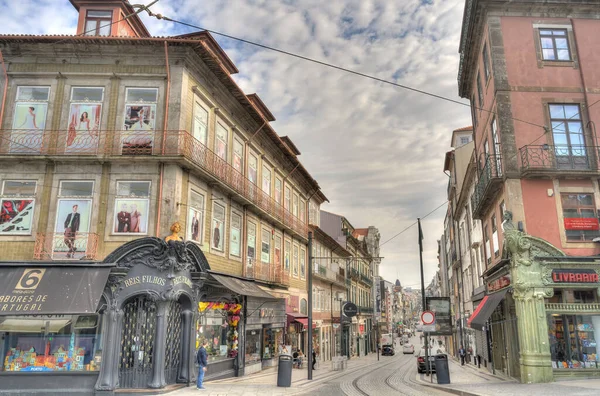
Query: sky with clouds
{"x": 376, "y": 150}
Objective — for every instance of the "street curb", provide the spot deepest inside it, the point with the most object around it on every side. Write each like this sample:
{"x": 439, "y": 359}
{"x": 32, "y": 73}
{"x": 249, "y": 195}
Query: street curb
{"x": 459, "y": 392}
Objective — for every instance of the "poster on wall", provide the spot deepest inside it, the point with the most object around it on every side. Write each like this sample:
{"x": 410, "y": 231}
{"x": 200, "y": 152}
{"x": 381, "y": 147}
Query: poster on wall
{"x": 251, "y": 247}
{"x": 131, "y": 216}
{"x": 16, "y": 216}
{"x": 235, "y": 242}
{"x": 30, "y": 120}
{"x": 71, "y": 230}
{"x": 138, "y": 137}
{"x": 193, "y": 229}
{"x": 287, "y": 257}
{"x": 84, "y": 128}
{"x": 217, "y": 236}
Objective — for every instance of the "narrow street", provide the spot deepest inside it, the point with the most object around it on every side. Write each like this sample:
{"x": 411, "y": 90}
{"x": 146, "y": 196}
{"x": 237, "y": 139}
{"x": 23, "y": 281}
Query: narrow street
{"x": 392, "y": 375}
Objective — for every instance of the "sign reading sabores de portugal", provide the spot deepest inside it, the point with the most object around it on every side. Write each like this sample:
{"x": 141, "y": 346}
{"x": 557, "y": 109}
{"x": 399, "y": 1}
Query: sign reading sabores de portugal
{"x": 574, "y": 276}
{"x": 582, "y": 224}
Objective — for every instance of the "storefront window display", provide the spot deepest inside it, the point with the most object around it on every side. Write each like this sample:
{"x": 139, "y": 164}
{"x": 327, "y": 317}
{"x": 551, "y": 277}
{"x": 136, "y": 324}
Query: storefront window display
{"x": 51, "y": 343}
{"x": 272, "y": 339}
{"x": 218, "y": 324}
{"x": 253, "y": 346}
{"x": 573, "y": 341}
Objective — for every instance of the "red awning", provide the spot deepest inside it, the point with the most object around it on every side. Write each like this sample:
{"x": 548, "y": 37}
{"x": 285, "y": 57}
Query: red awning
{"x": 304, "y": 321}
{"x": 298, "y": 318}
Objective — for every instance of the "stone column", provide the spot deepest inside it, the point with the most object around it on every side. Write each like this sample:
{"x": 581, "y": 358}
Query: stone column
{"x": 183, "y": 375}
{"x": 158, "y": 370}
{"x": 535, "y": 360}
{"x": 108, "y": 380}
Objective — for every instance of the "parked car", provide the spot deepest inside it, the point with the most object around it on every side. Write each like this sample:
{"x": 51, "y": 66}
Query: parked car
{"x": 408, "y": 348}
{"x": 388, "y": 350}
{"x": 421, "y": 361}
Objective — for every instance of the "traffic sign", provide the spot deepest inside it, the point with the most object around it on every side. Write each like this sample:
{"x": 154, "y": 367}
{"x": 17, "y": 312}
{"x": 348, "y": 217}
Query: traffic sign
{"x": 427, "y": 317}
{"x": 428, "y": 328}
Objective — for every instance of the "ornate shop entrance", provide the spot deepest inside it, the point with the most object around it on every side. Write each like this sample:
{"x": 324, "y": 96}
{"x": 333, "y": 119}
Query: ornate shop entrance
{"x": 137, "y": 342}
{"x": 152, "y": 297}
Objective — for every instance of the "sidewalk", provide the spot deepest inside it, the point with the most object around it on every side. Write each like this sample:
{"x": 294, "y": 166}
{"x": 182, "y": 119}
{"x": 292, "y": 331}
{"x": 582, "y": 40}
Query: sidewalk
{"x": 470, "y": 381}
{"x": 265, "y": 382}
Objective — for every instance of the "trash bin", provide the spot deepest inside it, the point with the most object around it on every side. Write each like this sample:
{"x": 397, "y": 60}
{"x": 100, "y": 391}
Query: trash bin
{"x": 441, "y": 369}
{"x": 284, "y": 371}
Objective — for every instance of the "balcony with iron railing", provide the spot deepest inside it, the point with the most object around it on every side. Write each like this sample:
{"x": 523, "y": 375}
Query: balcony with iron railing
{"x": 131, "y": 145}
{"x": 354, "y": 274}
{"x": 545, "y": 160}
{"x": 325, "y": 273}
{"x": 365, "y": 310}
{"x": 366, "y": 279}
{"x": 267, "y": 272}
{"x": 60, "y": 246}
{"x": 488, "y": 185}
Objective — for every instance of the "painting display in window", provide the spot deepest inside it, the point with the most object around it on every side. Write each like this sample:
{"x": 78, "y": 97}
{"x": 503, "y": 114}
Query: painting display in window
{"x": 238, "y": 155}
{"x": 251, "y": 242}
{"x": 302, "y": 264}
{"x": 287, "y": 253}
{"x": 253, "y": 169}
{"x": 29, "y": 122}
{"x": 218, "y": 227}
{"x": 16, "y": 216}
{"x": 131, "y": 216}
{"x": 84, "y": 127}
{"x": 200, "y": 123}
{"x": 195, "y": 217}
{"x": 295, "y": 263}
{"x": 235, "y": 240}
{"x": 265, "y": 251}
{"x": 138, "y": 137}
{"x": 72, "y": 229}
{"x": 221, "y": 141}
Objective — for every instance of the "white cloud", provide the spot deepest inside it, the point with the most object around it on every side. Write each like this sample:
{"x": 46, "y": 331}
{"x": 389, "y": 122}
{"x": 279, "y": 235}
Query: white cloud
{"x": 376, "y": 150}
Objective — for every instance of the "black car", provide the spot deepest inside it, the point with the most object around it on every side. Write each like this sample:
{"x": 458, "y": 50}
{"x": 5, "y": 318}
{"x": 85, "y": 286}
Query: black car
{"x": 388, "y": 350}
{"x": 421, "y": 361}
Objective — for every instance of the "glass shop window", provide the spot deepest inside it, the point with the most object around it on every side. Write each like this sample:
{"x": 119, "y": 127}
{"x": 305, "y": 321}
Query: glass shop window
{"x": 253, "y": 345}
{"x": 272, "y": 341}
{"x": 580, "y": 296}
{"x": 51, "y": 343}
{"x": 573, "y": 341}
{"x": 213, "y": 327}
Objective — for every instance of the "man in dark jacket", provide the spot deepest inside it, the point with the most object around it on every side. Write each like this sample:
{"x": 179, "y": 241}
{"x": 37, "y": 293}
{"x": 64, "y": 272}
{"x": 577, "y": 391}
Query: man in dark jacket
{"x": 202, "y": 359}
{"x": 462, "y": 353}
{"x": 71, "y": 227}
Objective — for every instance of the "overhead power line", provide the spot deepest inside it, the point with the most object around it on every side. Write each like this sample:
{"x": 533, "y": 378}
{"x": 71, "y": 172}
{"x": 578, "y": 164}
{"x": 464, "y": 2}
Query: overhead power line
{"x": 412, "y": 225}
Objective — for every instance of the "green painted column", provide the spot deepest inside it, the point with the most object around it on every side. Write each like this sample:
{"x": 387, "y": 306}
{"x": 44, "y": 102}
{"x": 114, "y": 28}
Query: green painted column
{"x": 529, "y": 293}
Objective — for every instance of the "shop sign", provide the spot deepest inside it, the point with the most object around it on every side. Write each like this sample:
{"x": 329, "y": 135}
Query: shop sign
{"x": 267, "y": 312}
{"x": 498, "y": 284}
{"x": 335, "y": 319}
{"x": 361, "y": 328}
{"x": 574, "y": 276}
{"x": 142, "y": 278}
{"x": 582, "y": 224}
{"x": 51, "y": 290}
{"x": 349, "y": 309}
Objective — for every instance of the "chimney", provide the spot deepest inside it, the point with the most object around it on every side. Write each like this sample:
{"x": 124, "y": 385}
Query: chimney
{"x": 108, "y": 18}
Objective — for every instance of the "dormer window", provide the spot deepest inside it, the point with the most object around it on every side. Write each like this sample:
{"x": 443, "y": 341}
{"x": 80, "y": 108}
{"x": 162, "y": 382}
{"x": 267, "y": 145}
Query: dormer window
{"x": 98, "y": 23}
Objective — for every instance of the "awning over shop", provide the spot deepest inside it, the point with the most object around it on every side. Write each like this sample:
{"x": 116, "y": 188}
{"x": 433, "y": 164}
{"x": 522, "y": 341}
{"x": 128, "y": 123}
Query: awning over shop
{"x": 51, "y": 290}
{"x": 242, "y": 287}
{"x": 298, "y": 318}
{"x": 485, "y": 309}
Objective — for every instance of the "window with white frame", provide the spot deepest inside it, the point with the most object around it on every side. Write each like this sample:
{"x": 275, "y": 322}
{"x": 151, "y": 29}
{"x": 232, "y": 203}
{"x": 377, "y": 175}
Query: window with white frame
{"x": 302, "y": 264}
{"x": 195, "y": 223}
{"x": 295, "y": 262}
{"x": 17, "y": 207}
{"x": 295, "y": 205}
{"x": 98, "y": 22}
{"x": 302, "y": 211}
{"x": 251, "y": 242}
{"x": 132, "y": 206}
{"x": 253, "y": 168}
{"x": 495, "y": 240}
{"x": 278, "y": 185}
{"x": 73, "y": 219}
{"x": 222, "y": 137}
{"x": 265, "y": 247}
{"x": 29, "y": 119}
{"x": 139, "y": 120}
{"x": 238, "y": 156}
{"x": 555, "y": 45}
{"x": 217, "y": 238}
{"x": 235, "y": 234}
{"x": 200, "y": 127}
{"x": 287, "y": 257}
{"x": 266, "y": 179}
{"x": 277, "y": 254}
{"x": 287, "y": 198}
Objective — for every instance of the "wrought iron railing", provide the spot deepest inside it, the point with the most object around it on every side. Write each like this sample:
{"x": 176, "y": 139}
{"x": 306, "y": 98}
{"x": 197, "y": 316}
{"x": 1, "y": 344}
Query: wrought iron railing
{"x": 146, "y": 143}
{"x": 62, "y": 246}
{"x": 354, "y": 274}
{"x": 365, "y": 310}
{"x": 266, "y": 272}
{"x": 559, "y": 158}
{"x": 340, "y": 278}
{"x": 366, "y": 279}
{"x": 492, "y": 170}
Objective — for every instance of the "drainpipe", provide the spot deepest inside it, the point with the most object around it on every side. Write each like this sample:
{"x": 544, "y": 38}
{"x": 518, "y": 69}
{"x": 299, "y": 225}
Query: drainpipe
{"x": 5, "y": 89}
{"x": 164, "y": 139}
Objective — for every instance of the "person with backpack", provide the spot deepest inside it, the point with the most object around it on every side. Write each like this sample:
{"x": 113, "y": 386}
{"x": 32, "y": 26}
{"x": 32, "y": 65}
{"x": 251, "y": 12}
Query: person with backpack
{"x": 202, "y": 359}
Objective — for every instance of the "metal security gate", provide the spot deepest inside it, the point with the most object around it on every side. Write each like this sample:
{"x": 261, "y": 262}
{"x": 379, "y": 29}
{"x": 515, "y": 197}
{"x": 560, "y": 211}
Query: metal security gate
{"x": 173, "y": 347}
{"x": 137, "y": 343}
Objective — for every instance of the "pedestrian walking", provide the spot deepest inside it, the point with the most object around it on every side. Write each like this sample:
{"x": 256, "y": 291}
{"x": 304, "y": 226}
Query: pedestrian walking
{"x": 202, "y": 359}
{"x": 462, "y": 353}
{"x": 314, "y": 359}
